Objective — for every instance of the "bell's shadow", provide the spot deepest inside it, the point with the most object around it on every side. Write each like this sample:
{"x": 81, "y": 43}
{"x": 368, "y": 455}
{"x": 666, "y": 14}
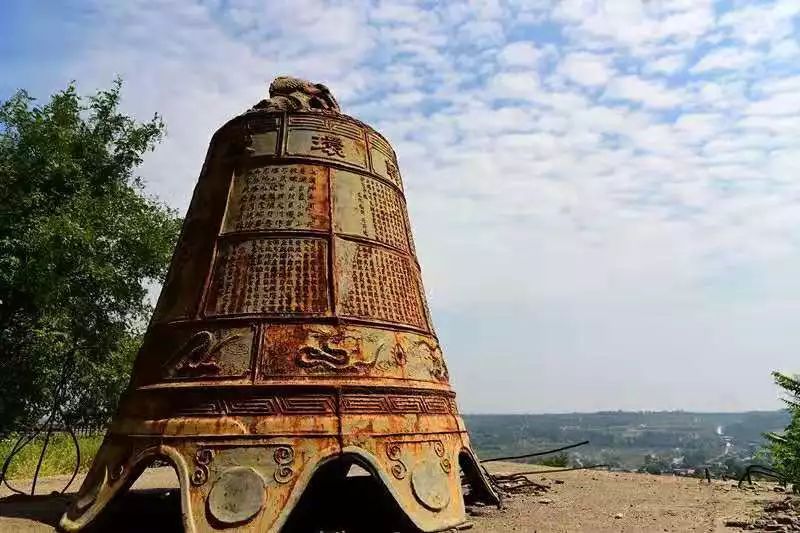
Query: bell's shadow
{"x": 157, "y": 510}
{"x": 333, "y": 502}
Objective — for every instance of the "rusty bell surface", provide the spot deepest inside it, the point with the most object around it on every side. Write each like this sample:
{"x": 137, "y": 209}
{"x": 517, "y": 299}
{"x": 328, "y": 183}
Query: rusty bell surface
{"x": 292, "y": 330}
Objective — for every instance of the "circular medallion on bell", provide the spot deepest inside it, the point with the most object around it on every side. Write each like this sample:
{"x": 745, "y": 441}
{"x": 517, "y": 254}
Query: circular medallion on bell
{"x": 237, "y": 496}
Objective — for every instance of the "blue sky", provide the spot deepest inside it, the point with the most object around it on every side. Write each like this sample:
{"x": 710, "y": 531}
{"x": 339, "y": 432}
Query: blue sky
{"x": 604, "y": 194}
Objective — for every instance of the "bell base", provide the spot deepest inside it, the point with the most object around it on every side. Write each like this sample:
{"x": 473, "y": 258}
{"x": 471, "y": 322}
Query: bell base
{"x": 253, "y": 484}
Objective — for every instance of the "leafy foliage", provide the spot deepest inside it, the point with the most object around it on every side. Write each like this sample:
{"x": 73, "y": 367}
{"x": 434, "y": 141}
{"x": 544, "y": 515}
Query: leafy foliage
{"x": 559, "y": 460}
{"x": 784, "y": 448}
{"x": 79, "y": 242}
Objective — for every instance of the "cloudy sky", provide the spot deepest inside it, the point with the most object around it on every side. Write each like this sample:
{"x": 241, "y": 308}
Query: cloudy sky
{"x": 604, "y": 194}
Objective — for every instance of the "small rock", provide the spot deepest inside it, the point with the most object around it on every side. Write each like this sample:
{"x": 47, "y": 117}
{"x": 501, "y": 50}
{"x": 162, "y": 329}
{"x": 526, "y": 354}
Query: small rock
{"x": 558, "y": 481}
{"x": 618, "y": 516}
{"x": 779, "y": 489}
{"x": 737, "y": 523}
{"x": 775, "y": 507}
{"x": 545, "y": 500}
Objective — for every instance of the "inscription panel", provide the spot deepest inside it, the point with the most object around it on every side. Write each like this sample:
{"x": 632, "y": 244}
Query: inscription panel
{"x": 369, "y": 208}
{"x": 270, "y": 276}
{"x": 378, "y": 284}
{"x": 263, "y": 135}
{"x": 279, "y": 197}
{"x": 384, "y": 162}
{"x": 326, "y": 138}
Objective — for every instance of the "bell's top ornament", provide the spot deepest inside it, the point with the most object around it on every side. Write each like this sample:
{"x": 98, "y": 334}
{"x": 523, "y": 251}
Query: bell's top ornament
{"x": 293, "y": 94}
{"x": 291, "y": 338}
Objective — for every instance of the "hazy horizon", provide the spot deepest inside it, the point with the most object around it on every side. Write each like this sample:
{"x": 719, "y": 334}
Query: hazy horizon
{"x": 603, "y": 194}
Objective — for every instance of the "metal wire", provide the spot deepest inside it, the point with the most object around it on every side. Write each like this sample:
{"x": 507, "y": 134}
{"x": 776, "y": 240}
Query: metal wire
{"x": 534, "y": 472}
{"x": 535, "y": 454}
{"x": 763, "y": 470}
{"x": 25, "y": 439}
{"x": 50, "y": 424}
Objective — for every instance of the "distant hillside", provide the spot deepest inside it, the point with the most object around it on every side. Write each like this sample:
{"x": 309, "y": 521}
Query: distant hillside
{"x": 631, "y": 440}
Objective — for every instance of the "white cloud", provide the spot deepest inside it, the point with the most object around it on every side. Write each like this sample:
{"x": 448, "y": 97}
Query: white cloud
{"x": 725, "y": 59}
{"x": 586, "y": 69}
{"x": 790, "y": 84}
{"x": 698, "y": 126}
{"x": 755, "y": 23}
{"x": 521, "y": 53}
{"x": 645, "y": 92}
{"x": 636, "y": 25}
{"x": 782, "y": 104}
{"x": 520, "y": 84}
{"x": 787, "y": 49}
{"x": 481, "y": 33}
{"x": 668, "y": 64}
{"x": 727, "y": 94}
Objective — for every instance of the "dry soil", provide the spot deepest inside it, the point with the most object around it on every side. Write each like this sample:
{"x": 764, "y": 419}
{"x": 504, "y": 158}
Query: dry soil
{"x": 592, "y": 501}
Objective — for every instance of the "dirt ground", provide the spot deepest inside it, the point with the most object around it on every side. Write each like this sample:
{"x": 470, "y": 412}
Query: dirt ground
{"x": 577, "y": 501}
{"x": 599, "y": 501}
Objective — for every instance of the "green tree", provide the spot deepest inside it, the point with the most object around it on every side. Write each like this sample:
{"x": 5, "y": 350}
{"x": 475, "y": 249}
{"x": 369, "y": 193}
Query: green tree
{"x": 559, "y": 460}
{"x": 653, "y": 464}
{"x": 784, "y": 448}
{"x": 79, "y": 243}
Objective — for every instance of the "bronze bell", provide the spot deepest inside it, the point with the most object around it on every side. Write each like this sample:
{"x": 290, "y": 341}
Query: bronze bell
{"x": 292, "y": 331}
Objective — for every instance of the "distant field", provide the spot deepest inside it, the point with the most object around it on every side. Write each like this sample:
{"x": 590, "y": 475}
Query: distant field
{"x": 625, "y": 439}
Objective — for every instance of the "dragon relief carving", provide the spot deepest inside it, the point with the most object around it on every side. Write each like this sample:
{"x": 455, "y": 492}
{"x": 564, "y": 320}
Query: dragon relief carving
{"x": 287, "y": 93}
{"x": 198, "y": 356}
{"x": 396, "y": 359}
{"x": 332, "y": 351}
{"x": 419, "y": 357}
{"x": 433, "y": 354}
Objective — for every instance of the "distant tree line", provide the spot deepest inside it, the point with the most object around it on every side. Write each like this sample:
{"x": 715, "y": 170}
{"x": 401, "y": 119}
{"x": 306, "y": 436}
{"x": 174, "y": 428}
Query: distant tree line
{"x": 673, "y": 439}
